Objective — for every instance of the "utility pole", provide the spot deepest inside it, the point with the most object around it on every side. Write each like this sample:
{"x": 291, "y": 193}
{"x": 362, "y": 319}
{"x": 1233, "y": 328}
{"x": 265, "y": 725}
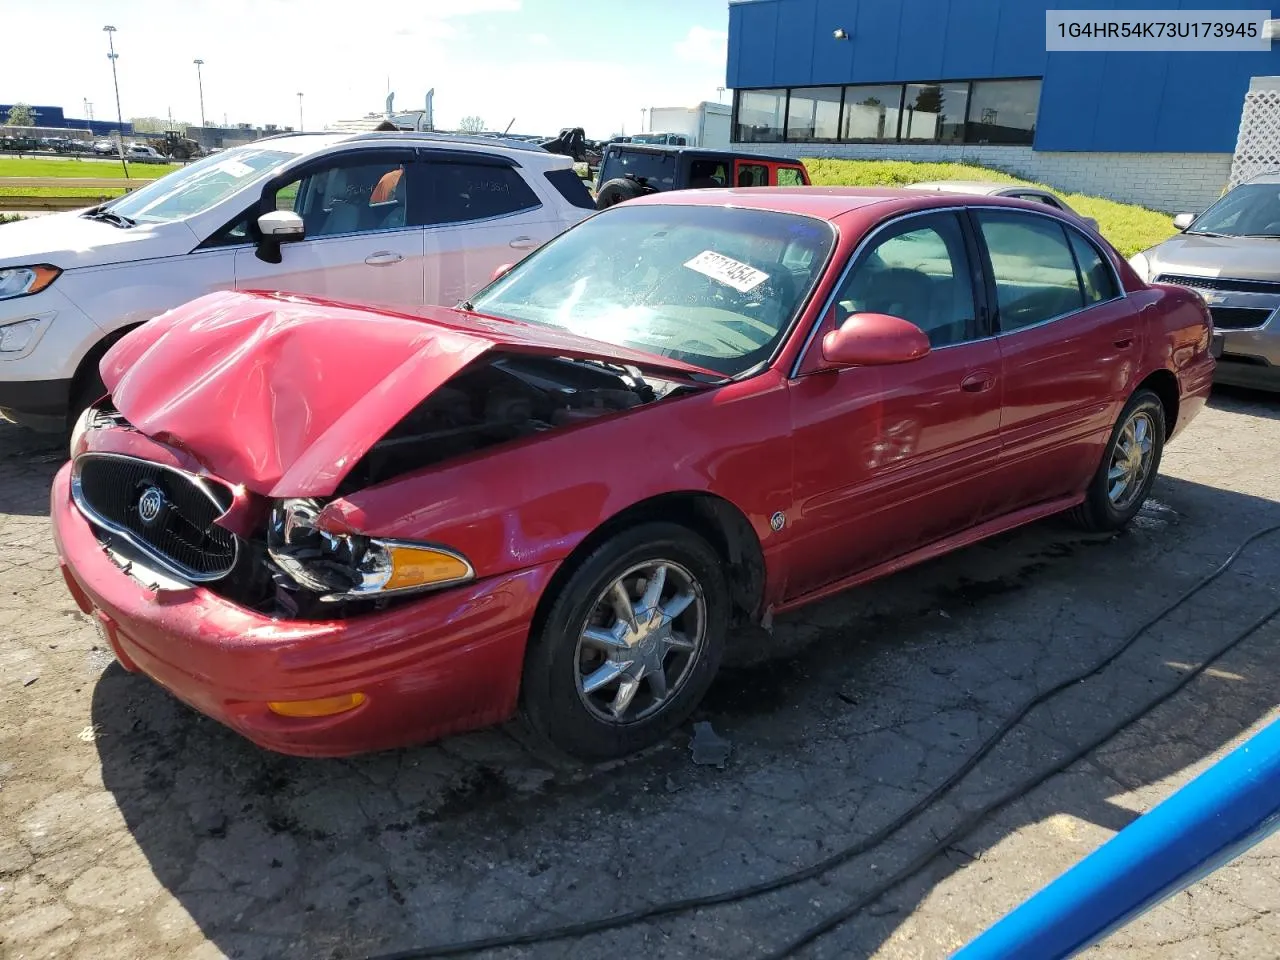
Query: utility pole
{"x": 88, "y": 109}
{"x": 115, "y": 80}
{"x": 200, "y": 81}
{"x": 300, "y": 126}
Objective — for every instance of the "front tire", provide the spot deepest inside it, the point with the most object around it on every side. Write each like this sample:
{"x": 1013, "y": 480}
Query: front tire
{"x": 1129, "y": 466}
{"x": 630, "y": 643}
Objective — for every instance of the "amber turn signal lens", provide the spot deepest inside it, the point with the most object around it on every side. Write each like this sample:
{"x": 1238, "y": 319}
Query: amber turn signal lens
{"x": 324, "y": 707}
{"x": 416, "y": 566}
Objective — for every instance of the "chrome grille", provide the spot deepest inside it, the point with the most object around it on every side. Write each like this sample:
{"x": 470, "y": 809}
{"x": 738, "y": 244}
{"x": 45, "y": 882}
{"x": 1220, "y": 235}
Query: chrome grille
{"x": 1220, "y": 283}
{"x": 167, "y": 513}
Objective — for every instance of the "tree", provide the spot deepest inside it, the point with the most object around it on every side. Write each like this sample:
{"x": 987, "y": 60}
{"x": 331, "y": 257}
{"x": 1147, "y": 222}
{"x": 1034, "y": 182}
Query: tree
{"x": 929, "y": 100}
{"x": 472, "y": 124}
{"x": 871, "y": 102}
{"x": 20, "y": 115}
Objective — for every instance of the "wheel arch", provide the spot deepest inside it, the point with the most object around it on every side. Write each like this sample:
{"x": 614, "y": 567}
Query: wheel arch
{"x": 1165, "y": 386}
{"x": 718, "y": 521}
{"x": 89, "y": 363}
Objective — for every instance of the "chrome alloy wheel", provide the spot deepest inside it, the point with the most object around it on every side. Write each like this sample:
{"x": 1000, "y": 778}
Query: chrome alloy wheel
{"x": 641, "y": 640}
{"x": 1131, "y": 458}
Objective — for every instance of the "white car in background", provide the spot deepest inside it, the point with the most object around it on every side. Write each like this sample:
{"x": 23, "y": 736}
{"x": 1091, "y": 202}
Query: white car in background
{"x": 398, "y": 219}
{"x": 988, "y": 188}
{"x": 140, "y": 153}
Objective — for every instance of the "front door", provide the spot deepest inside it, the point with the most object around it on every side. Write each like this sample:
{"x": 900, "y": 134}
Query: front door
{"x": 1069, "y": 343}
{"x": 891, "y": 458}
{"x": 364, "y": 236}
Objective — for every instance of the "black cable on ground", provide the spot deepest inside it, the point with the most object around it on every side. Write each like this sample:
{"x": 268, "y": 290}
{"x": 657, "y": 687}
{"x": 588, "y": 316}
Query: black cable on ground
{"x": 655, "y": 911}
{"x": 969, "y": 823}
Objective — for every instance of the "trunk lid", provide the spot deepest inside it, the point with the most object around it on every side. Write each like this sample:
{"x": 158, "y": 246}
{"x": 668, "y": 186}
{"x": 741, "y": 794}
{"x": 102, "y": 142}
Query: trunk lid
{"x": 284, "y": 394}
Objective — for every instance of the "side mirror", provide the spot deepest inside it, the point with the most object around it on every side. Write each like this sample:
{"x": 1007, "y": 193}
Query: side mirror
{"x": 874, "y": 339}
{"x": 1093, "y": 224}
{"x": 1183, "y": 220}
{"x": 501, "y": 272}
{"x": 275, "y": 228}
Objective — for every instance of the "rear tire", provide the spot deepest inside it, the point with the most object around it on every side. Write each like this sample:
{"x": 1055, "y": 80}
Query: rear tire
{"x": 1128, "y": 468}
{"x": 603, "y": 679}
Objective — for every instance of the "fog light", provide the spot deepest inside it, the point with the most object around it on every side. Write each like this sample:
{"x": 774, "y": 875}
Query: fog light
{"x": 324, "y": 707}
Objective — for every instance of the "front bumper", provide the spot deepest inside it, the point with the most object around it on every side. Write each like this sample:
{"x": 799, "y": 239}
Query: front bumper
{"x": 444, "y": 664}
{"x": 1250, "y": 358}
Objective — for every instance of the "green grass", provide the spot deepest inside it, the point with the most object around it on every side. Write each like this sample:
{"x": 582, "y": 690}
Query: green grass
{"x": 90, "y": 192}
{"x": 11, "y": 217}
{"x": 77, "y": 167}
{"x": 1130, "y": 228}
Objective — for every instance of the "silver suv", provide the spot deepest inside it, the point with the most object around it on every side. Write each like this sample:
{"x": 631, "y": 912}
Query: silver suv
{"x": 1230, "y": 255}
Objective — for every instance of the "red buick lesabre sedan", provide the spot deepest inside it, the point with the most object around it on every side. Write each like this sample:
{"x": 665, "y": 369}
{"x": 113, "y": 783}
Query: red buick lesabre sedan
{"x": 338, "y": 530}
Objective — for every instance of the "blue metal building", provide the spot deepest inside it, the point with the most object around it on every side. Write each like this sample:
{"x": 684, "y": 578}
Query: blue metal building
{"x": 945, "y": 79}
{"x": 54, "y": 117}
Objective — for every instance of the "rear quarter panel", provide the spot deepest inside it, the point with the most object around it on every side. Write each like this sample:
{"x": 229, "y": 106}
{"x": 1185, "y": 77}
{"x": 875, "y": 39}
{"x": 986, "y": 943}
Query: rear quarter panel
{"x": 1177, "y": 332}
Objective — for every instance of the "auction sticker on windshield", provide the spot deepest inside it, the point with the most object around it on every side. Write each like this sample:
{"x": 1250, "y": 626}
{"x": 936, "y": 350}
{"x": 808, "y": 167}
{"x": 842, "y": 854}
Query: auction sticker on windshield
{"x": 235, "y": 168}
{"x": 728, "y": 271}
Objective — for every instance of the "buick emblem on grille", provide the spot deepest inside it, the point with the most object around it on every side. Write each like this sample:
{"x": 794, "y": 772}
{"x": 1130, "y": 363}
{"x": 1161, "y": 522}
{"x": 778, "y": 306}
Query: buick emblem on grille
{"x": 150, "y": 505}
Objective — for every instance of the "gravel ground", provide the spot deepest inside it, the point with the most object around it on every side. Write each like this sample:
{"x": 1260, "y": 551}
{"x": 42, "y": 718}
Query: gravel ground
{"x": 133, "y": 827}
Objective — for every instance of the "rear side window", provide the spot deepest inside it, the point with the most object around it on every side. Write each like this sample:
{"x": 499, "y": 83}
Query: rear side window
{"x": 1095, "y": 275}
{"x": 570, "y": 186}
{"x": 461, "y": 192}
{"x": 790, "y": 177}
{"x": 1033, "y": 268}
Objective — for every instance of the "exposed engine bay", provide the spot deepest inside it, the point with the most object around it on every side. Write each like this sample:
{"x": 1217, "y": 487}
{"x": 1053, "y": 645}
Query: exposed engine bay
{"x": 499, "y": 399}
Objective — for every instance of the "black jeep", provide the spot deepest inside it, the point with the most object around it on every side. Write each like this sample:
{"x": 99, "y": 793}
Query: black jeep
{"x": 629, "y": 170}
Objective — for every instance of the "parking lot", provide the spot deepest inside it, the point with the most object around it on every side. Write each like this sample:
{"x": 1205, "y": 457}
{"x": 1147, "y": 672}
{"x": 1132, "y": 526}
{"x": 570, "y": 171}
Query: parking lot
{"x": 133, "y": 827}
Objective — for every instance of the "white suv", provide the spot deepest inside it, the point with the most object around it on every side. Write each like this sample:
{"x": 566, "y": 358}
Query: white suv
{"x": 398, "y": 219}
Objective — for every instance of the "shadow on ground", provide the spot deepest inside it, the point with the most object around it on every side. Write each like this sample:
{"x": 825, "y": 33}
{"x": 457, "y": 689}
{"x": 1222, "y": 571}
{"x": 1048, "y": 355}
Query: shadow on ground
{"x": 870, "y": 700}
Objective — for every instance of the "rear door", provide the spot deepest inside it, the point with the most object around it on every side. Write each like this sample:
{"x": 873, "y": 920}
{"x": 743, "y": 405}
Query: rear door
{"x": 1069, "y": 341}
{"x": 480, "y": 213}
{"x": 363, "y": 241}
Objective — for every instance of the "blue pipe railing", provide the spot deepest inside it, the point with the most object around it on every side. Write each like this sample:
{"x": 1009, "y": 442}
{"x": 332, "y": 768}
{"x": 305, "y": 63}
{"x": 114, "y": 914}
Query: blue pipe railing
{"x": 1209, "y": 822}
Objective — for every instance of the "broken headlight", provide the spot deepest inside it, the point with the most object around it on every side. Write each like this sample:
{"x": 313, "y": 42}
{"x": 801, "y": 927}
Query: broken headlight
{"x": 351, "y": 566}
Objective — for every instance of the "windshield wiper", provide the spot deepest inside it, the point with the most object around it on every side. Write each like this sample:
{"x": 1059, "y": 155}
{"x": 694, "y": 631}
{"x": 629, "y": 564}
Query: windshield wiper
{"x": 1260, "y": 236}
{"x": 109, "y": 216}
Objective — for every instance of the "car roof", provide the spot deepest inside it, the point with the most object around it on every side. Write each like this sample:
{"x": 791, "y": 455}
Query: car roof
{"x": 1271, "y": 176}
{"x": 519, "y": 150}
{"x": 824, "y": 203}
{"x": 702, "y": 152}
{"x": 987, "y": 187}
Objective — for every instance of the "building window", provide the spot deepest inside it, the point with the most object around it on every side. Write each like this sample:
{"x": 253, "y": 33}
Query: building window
{"x": 935, "y": 112}
{"x": 1003, "y": 111}
{"x": 814, "y": 114}
{"x": 871, "y": 113}
{"x": 760, "y": 116}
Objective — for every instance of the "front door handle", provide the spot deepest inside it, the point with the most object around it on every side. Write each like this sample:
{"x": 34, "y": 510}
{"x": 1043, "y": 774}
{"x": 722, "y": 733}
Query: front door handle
{"x": 383, "y": 258}
{"x": 523, "y": 243}
{"x": 1124, "y": 339}
{"x": 978, "y": 382}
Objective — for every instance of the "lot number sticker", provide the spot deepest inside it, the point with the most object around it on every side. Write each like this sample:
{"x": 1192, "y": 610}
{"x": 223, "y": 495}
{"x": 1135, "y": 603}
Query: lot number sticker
{"x": 728, "y": 271}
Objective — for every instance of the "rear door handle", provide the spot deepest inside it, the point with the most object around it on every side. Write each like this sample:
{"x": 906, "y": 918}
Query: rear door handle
{"x": 383, "y": 258}
{"x": 978, "y": 382}
{"x": 1124, "y": 339}
{"x": 523, "y": 243}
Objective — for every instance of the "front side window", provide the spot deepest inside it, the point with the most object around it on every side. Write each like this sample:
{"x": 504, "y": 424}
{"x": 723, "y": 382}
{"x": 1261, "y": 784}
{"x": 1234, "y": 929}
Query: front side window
{"x": 1033, "y": 268}
{"x": 1003, "y": 111}
{"x": 871, "y": 113}
{"x": 761, "y": 116}
{"x": 916, "y": 270}
{"x": 719, "y": 287}
{"x": 814, "y": 114}
{"x": 752, "y": 175}
{"x": 461, "y": 192}
{"x": 356, "y": 198}
{"x": 201, "y": 185}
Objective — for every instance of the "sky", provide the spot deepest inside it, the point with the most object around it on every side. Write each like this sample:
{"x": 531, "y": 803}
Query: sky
{"x": 546, "y": 63}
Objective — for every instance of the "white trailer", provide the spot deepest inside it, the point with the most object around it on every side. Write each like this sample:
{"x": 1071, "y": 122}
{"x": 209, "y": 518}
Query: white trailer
{"x": 706, "y": 125}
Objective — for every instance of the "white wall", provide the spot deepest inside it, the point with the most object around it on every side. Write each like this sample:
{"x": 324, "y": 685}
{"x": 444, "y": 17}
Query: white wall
{"x": 1171, "y": 182}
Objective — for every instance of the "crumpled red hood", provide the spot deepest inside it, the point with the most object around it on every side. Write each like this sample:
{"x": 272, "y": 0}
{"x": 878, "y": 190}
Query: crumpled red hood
{"x": 284, "y": 394}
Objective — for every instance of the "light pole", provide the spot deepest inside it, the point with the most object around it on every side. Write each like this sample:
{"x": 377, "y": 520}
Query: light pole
{"x": 88, "y": 109}
{"x": 719, "y": 94}
{"x": 200, "y": 82}
{"x": 111, "y": 45}
{"x": 300, "y": 127}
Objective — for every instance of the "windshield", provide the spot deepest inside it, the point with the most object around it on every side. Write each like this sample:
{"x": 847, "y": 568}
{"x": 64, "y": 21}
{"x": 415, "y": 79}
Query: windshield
{"x": 197, "y": 187}
{"x": 718, "y": 287}
{"x": 1250, "y": 210}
